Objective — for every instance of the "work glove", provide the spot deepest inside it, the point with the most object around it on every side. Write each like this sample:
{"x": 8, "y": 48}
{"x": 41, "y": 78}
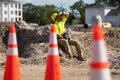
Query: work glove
{"x": 61, "y": 13}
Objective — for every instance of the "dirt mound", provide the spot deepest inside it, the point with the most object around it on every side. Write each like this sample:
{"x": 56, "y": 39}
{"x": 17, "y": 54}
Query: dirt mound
{"x": 113, "y": 37}
{"x": 3, "y": 29}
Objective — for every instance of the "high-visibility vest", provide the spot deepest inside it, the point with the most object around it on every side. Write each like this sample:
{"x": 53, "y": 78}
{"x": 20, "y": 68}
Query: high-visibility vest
{"x": 60, "y": 26}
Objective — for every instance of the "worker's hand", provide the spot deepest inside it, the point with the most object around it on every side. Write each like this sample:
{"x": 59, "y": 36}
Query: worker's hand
{"x": 61, "y": 13}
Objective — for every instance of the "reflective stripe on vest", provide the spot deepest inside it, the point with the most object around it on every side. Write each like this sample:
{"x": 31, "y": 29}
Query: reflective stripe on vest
{"x": 60, "y": 29}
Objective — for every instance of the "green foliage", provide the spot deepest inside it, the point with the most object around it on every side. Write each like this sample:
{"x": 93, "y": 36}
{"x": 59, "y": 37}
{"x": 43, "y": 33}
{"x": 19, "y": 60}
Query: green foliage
{"x": 70, "y": 19}
{"x": 38, "y": 14}
{"x": 80, "y": 7}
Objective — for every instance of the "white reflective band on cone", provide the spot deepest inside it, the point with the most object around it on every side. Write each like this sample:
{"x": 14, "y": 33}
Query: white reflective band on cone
{"x": 53, "y": 38}
{"x": 102, "y": 74}
{"x": 53, "y": 51}
{"x": 12, "y": 38}
{"x": 12, "y": 51}
{"x": 99, "y": 51}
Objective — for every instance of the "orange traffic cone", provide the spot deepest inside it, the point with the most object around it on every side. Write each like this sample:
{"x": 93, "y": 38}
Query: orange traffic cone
{"x": 12, "y": 70}
{"x": 53, "y": 71}
{"x": 99, "y": 65}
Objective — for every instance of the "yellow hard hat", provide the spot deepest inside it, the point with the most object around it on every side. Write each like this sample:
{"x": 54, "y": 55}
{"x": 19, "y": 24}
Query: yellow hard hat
{"x": 54, "y": 16}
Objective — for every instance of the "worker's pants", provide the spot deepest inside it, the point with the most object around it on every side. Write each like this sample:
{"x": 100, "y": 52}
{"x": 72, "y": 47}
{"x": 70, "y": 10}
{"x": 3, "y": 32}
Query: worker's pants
{"x": 66, "y": 44}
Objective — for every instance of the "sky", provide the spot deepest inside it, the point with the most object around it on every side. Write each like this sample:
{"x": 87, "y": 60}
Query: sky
{"x": 64, "y": 3}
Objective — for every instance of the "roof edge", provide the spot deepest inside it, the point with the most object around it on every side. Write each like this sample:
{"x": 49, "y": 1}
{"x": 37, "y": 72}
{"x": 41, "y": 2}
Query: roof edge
{"x": 10, "y": 1}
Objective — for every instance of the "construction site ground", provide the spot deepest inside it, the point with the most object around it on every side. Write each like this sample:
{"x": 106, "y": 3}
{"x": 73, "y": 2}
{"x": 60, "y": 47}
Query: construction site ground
{"x": 33, "y": 47}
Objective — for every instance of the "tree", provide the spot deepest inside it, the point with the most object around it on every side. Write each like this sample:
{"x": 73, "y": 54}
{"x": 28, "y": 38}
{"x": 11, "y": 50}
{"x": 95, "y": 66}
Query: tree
{"x": 70, "y": 19}
{"x": 80, "y": 7}
{"x": 28, "y": 13}
{"x": 44, "y": 13}
{"x": 38, "y": 14}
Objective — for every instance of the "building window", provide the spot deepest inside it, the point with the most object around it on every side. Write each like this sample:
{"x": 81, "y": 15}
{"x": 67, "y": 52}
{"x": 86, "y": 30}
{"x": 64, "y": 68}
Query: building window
{"x": 12, "y": 12}
{"x": 5, "y": 19}
{"x": 15, "y": 19}
{"x": 19, "y": 6}
{"x": 19, "y": 13}
{"x": 11, "y": 4}
{"x": 12, "y": 19}
{"x": 15, "y": 12}
{"x": 5, "y": 4}
{"x": 19, "y": 19}
{"x": 5, "y": 12}
{"x": 15, "y": 5}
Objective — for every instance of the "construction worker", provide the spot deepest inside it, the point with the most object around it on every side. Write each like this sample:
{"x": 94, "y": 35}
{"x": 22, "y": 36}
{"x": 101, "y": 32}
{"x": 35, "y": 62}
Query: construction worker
{"x": 59, "y": 20}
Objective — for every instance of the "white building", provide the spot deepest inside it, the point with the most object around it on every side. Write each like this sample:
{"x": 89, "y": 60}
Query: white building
{"x": 108, "y": 14}
{"x": 10, "y": 11}
{"x": 114, "y": 17}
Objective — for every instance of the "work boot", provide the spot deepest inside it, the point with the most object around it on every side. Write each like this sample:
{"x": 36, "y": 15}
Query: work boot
{"x": 70, "y": 55}
{"x": 81, "y": 59}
